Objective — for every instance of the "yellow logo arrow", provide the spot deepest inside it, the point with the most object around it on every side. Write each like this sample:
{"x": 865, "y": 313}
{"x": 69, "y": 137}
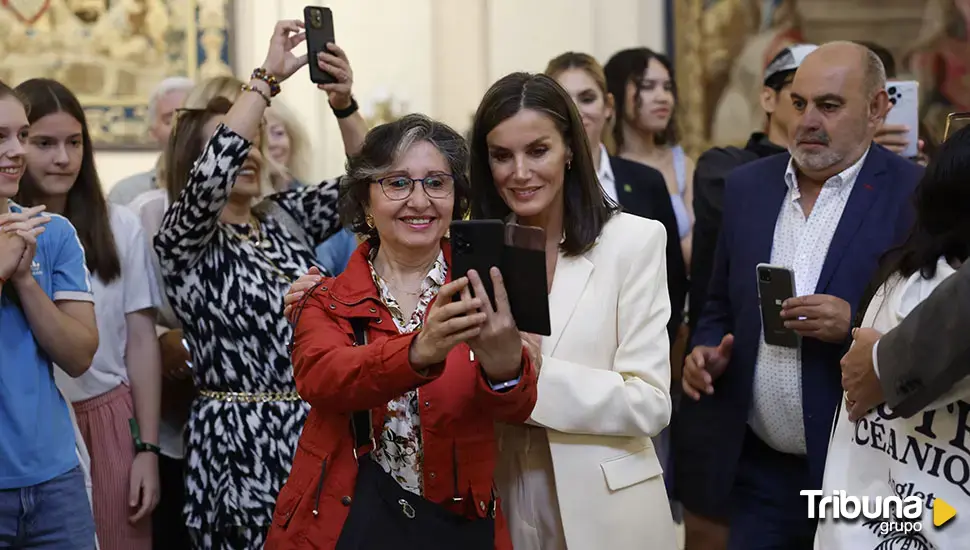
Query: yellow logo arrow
{"x": 942, "y": 512}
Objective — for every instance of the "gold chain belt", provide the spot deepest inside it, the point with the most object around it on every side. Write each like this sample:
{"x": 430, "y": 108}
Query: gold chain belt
{"x": 240, "y": 397}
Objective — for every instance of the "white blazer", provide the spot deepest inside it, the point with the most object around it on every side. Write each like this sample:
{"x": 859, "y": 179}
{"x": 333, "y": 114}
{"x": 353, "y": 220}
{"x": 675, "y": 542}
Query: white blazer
{"x": 604, "y": 389}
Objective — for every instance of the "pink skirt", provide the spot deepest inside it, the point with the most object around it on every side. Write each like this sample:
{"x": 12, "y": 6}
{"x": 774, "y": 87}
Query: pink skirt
{"x": 103, "y": 422}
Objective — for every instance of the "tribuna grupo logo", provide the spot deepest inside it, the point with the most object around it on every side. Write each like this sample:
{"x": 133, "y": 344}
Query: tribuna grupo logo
{"x": 892, "y": 514}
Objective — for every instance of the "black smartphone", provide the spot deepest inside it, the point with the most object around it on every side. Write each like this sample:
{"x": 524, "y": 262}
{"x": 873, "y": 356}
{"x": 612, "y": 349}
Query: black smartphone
{"x": 520, "y": 255}
{"x": 478, "y": 245}
{"x": 319, "y": 33}
{"x": 775, "y": 285}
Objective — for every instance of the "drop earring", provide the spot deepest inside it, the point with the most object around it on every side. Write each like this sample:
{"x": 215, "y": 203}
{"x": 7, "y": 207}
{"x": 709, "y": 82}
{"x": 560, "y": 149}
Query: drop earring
{"x": 569, "y": 165}
{"x": 369, "y": 220}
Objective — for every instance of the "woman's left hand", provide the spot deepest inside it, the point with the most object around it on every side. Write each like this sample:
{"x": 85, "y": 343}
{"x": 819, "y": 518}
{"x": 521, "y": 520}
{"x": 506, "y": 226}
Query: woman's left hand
{"x": 498, "y": 347}
{"x": 143, "y": 486}
{"x": 281, "y": 62}
{"x": 338, "y": 66}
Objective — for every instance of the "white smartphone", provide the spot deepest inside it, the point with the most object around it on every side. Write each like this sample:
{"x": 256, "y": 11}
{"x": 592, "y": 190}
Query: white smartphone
{"x": 904, "y": 98}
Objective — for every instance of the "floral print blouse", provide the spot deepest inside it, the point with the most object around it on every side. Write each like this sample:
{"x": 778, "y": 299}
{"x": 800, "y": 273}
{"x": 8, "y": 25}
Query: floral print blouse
{"x": 399, "y": 450}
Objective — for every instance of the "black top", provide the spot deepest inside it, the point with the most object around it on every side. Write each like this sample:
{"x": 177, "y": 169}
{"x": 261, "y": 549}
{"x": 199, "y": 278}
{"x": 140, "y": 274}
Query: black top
{"x": 712, "y": 167}
{"x": 642, "y": 191}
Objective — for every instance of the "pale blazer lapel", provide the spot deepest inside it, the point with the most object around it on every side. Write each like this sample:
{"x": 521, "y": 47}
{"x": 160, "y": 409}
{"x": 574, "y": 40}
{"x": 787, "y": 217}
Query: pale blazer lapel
{"x": 568, "y": 283}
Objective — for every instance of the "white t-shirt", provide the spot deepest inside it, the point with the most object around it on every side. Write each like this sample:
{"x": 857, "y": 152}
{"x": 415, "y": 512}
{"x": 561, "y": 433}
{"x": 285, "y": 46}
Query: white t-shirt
{"x": 150, "y": 208}
{"x": 923, "y": 456}
{"x": 135, "y": 290}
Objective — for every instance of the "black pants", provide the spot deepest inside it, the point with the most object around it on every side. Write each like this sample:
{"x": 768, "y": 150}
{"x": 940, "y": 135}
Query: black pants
{"x": 168, "y": 523}
{"x": 768, "y": 513}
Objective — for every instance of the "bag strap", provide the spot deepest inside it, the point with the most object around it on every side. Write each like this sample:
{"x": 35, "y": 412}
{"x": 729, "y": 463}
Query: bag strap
{"x": 361, "y": 425}
{"x": 280, "y": 214}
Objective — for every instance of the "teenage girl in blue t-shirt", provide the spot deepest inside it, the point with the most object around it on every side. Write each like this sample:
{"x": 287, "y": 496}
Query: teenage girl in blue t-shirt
{"x": 46, "y": 317}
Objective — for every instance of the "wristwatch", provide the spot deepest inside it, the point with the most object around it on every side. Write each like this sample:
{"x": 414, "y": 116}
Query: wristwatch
{"x": 141, "y": 446}
{"x": 501, "y": 387}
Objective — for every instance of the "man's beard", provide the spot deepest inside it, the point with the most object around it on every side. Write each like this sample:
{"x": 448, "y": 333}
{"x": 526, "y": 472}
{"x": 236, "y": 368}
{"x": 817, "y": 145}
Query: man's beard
{"x": 815, "y": 160}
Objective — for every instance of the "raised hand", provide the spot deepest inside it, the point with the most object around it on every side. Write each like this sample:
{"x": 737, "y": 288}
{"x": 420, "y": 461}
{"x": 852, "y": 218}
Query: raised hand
{"x": 280, "y": 61}
{"x": 337, "y": 65}
{"x": 498, "y": 347}
{"x": 28, "y": 230}
{"x": 298, "y": 290}
{"x": 704, "y": 365}
{"x": 447, "y": 324}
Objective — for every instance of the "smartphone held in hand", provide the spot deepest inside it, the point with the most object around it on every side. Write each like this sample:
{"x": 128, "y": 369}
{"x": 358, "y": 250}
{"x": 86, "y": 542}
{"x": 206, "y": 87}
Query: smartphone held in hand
{"x": 519, "y": 253}
{"x": 318, "y": 22}
{"x": 775, "y": 285}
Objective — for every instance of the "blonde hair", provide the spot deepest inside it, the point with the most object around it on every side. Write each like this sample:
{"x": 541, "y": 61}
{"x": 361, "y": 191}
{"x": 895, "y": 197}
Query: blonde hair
{"x": 299, "y": 166}
{"x": 592, "y": 67}
{"x": 200, "y": 98}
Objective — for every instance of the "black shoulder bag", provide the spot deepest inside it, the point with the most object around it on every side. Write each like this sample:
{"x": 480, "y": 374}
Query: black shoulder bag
{"x": 384, "y": 515}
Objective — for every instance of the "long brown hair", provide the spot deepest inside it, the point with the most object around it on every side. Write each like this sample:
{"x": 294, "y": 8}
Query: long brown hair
{"x": 592, "y": 67}
{"x": 629, "y": 66}
{"x": 86, "y": 207}
{"x": 586, "y": 207}
{"x": 186, "y": 141}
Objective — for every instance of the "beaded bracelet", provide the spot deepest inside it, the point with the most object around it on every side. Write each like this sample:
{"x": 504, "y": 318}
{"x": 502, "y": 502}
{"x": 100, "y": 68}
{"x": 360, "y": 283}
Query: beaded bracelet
{"x": 260, "y": 73}
{"x": 248, "y": 88}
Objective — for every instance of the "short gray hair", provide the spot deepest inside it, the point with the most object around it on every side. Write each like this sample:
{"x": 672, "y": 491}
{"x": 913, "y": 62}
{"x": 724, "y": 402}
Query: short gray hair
{"x": 165, "y": 87}
{"x": 383, "y": 146}
{"x": 874, "y": 75}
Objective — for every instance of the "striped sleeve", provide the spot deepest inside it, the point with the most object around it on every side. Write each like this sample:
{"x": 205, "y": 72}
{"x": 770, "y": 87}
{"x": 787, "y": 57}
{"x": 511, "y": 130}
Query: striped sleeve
{"x": 70, "y": 280}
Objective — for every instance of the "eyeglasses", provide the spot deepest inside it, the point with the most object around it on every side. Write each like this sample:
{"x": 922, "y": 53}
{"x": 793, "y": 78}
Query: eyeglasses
{"x": 399, "y": 188}
{"x": 954, "y": 122}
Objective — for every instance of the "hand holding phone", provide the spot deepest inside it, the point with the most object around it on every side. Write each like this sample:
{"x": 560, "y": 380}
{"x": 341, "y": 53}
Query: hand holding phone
{"x": 902, "y": 121}
{"x": 329, "y": 66}
{"x": 775, "y": 285}
{"x": 820, "y": 316}
{"x": 498, "y": 347}
{"x": 519, "y": 253}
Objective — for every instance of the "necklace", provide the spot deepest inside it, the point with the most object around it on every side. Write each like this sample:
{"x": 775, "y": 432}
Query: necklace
{"x": 254, "y": 237}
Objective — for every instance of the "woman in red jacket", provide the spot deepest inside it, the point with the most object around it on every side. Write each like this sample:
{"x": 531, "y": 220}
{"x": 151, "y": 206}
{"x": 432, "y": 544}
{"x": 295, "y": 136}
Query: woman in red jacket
{"x": 387, "y": 338}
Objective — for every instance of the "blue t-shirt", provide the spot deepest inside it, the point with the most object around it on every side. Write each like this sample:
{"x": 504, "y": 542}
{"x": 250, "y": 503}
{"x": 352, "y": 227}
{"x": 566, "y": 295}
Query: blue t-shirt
{"x": 36, "y": 435}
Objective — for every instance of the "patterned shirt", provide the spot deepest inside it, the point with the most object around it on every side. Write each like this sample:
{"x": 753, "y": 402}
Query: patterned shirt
{"x": 226, "y": 284}
{"x": 399, "y": 450}
{"x": 800, "y": 243}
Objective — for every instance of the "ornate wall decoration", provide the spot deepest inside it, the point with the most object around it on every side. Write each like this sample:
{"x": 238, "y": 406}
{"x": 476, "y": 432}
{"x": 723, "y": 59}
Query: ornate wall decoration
{"x": 721, "y": 48}
{"x": 382, "y": 108}
{"x": 112, "y": 53}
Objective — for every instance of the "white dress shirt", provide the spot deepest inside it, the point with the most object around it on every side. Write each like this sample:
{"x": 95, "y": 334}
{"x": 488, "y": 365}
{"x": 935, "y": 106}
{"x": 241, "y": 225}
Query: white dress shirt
{"x": 800, "y": 244}
{"x": 605, "y": 175}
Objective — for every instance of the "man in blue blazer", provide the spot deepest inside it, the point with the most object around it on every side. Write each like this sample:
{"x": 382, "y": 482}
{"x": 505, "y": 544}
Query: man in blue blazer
{"x": 756, "y": 428}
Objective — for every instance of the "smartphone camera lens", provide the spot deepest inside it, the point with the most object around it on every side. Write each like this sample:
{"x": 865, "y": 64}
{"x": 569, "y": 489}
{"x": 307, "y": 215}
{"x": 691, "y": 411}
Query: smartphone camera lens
{"x": 892, "y": 90}
{"x": 765, "y": 276}
{"x": 460, "y": 244}
{"x": 316, "y": 19}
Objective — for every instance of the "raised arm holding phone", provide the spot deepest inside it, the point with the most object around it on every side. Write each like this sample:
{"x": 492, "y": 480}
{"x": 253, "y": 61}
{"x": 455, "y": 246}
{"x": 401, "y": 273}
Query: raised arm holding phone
{"x": 223, "y": 243}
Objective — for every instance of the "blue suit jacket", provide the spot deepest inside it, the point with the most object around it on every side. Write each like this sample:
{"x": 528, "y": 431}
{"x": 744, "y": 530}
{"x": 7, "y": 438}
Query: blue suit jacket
{"x": 710, "y": 432}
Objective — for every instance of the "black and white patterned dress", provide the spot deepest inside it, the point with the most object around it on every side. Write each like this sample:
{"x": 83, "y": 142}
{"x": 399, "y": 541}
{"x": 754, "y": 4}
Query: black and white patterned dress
{"x": 226, "y": 286}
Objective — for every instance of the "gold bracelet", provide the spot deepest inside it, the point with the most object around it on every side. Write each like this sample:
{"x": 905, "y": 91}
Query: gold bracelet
{"x": 249, "y": 88}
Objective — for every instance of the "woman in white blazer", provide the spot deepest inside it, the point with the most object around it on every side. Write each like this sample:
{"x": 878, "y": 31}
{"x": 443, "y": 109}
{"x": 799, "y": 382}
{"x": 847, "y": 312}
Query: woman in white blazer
{"x": 583, "y": 472}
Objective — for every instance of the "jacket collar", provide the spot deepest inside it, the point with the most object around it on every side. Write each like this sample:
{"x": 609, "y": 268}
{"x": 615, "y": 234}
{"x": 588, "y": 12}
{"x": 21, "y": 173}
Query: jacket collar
{"x": 355, "y": 285}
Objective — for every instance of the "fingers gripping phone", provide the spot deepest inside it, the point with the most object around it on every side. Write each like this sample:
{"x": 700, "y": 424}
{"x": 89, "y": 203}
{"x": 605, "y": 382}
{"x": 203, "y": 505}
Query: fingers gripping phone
{"x": 904, "y": 98}
{"x": 478, "y": 245}
{"x": 519, "y": 253}
{"x": 318, "y": 22}
{"x": 775, "y": 285}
